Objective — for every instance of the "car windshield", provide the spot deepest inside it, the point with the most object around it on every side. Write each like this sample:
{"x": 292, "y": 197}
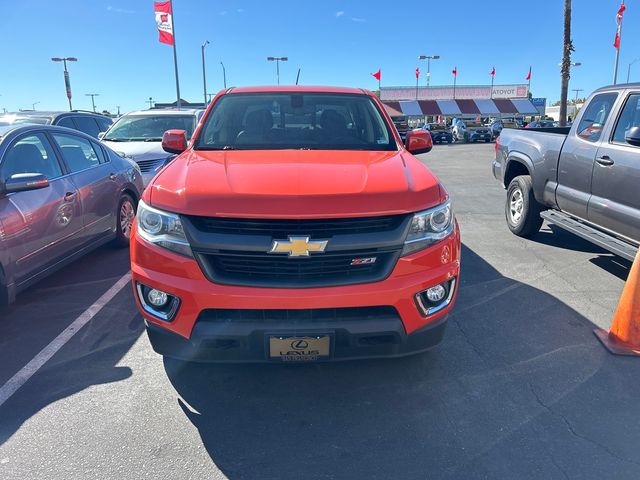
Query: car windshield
{"x": 149, "y": 128}
{"x": 13, "y": 120}
{"x": 315, "y": 121}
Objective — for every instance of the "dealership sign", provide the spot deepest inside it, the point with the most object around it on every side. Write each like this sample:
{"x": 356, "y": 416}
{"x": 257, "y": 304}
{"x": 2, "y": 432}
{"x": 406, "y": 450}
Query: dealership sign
{"x": 461, "y": 92}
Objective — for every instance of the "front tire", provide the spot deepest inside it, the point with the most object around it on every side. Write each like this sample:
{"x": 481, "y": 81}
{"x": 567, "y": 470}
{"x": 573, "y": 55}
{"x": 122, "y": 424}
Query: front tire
{"x": 124, "y": 220}
{"x": 522, "y": 211}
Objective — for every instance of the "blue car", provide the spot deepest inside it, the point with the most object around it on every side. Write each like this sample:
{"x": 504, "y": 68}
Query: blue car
{"x": 440, "y": 135}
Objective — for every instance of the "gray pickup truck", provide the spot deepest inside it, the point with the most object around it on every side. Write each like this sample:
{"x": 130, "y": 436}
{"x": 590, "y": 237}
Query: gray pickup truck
{"x": 584, "y": 179}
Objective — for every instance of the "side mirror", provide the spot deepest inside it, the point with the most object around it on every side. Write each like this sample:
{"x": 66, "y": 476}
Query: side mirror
{"x": 174, "y": 141}
{"x": 22, "y": 182}
{"x": 101, "y": 135}
{"x": 633, "y": 137}
{"x": 419, "y": 141}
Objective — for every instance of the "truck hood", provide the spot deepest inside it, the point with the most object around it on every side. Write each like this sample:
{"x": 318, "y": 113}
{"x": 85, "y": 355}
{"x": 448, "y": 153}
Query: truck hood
{"x": 294, "y": 184}
{"x": 138, "y": 151}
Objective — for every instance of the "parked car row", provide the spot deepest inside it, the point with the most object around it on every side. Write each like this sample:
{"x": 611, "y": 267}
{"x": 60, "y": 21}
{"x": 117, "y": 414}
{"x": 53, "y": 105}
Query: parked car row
{"x": 86, "y": 122}
{"x": 63, "y": 192}
{"x": 470, "y": 131}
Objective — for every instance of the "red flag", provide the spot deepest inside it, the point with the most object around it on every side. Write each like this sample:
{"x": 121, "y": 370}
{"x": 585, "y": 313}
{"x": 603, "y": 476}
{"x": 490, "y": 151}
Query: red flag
{"x": 455, "y": 71}
{"x": 616, "y": 42}
{"x": 417, "y": 73}
{"x": 377, "y": 75}
{"x": 164, "y": 21}
{"x": 493, "y": 72}
{"x": 528, "y": 77}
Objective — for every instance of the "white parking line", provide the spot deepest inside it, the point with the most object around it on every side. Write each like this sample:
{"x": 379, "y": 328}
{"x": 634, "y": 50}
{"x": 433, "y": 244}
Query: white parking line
{"x": 26, "y": 372}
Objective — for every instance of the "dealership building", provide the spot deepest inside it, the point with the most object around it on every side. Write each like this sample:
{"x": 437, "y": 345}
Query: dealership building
{"x": 434, "y": 103}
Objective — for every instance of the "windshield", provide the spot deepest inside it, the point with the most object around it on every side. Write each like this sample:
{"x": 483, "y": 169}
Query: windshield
{"x": 273, "y": 121}
{"x": 149, "y": 128}
{"x": 11, "y": 120}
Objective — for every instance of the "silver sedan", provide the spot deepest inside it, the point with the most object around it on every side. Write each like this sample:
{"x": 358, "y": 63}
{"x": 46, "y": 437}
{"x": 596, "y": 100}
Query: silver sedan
{"x": 62, "y": 194}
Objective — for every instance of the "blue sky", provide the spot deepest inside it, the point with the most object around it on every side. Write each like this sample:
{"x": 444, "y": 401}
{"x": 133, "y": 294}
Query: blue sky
{"x": 333, "y": 42}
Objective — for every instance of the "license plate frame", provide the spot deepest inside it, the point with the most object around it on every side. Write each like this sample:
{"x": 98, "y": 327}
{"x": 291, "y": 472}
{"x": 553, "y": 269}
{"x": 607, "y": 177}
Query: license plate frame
{"x": 299, "y": 348}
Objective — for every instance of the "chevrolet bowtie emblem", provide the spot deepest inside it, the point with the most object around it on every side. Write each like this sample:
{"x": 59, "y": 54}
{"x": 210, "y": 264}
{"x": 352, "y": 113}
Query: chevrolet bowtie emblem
{"x": 298, "y": 246}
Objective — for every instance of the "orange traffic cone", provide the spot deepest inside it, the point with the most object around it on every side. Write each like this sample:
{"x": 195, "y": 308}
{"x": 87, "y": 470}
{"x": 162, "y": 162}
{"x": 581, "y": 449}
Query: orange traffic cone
{"x": 624, "y": 336}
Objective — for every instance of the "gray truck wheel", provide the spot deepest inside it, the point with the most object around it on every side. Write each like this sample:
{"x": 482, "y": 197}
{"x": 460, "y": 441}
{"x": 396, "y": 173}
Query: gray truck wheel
{"x": 521, "y": 209}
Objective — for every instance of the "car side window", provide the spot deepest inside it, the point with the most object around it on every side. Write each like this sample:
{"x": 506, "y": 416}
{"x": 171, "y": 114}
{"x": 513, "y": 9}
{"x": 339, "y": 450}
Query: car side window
{"x": 102, "y": 158}
{"x": 104, "y": 123}
{"x": 629, "y": 118}
{"x": 77, "y": 152}
{"x": 87, "y": 125}
{"x": 31, "y": 154}
{"x": 595, "y": 116}
{"x": 66, "y": 122}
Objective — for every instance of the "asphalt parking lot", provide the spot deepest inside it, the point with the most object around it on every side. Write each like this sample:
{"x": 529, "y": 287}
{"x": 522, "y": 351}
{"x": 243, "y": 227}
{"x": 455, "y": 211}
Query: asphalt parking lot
{"x": 520, "y": 388}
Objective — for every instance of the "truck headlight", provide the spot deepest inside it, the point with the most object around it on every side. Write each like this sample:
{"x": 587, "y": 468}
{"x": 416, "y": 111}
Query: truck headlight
{"x": 428, "y": 227}
{"x": 162, "y": 228}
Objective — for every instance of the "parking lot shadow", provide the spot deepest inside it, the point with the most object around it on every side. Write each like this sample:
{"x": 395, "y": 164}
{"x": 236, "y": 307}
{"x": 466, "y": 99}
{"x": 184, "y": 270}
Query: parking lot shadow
{"x": 557, "y": 237}
{"x": 94, "y": 364}
{"x": 519, "y": 389}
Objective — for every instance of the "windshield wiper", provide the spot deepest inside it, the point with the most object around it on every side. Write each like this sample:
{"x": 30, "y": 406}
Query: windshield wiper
{"x": 226, "y": 147}
{"x": 153, "y": 139}
{"x": 117, "y": 139}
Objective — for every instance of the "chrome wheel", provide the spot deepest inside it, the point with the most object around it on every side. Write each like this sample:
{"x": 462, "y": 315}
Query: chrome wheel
{"x": 127, "y": 214}
{"x": 516, "y": 205}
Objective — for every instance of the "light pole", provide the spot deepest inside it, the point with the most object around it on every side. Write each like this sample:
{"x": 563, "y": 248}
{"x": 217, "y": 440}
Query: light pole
{"x": 428, "y": 58}
{"x": 277, "y": 60}
{"x": 93, "y": 102}
{"x": 224, "y": 75}
{"x": 204, "y": 75}
{"x": 629, "y": 69}
{"x": 67, "y": 82}
{"x": 577, "y": 90}
{"x": 33, "y": 105}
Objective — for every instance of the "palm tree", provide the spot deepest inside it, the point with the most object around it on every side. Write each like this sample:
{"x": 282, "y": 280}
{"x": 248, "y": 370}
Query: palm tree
{"x": 566, "y": 62}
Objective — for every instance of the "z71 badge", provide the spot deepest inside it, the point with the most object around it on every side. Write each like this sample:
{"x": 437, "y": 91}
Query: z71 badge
{"x": 363, "y": 261}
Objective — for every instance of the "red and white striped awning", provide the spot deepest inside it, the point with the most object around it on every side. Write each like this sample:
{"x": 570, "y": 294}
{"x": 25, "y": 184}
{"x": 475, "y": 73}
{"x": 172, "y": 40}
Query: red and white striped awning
{"x": 516, "y": 106}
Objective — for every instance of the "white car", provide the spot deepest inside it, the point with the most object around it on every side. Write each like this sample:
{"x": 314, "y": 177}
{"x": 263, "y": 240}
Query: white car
{"x": 138, "y": 136}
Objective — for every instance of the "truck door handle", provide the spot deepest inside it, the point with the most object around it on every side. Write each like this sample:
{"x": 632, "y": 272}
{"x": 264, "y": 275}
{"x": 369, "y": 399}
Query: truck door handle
{"x": 69, "y": 196}
{"x": 605, "y": 161}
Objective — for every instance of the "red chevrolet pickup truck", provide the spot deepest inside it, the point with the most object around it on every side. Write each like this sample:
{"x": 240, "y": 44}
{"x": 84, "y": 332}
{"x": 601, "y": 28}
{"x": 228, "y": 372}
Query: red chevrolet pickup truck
{"x": 295, "y": 226}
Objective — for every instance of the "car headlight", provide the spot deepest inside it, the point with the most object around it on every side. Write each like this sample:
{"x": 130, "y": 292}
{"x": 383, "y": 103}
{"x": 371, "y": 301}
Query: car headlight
{"x": 162, "y": 228}
{"x": 428, "y": 227}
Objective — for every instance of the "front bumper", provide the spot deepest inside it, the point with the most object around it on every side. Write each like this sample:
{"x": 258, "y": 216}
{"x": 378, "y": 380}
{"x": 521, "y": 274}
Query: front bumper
{"x": 190, "y": 336}
{"x": 245, "y": 343}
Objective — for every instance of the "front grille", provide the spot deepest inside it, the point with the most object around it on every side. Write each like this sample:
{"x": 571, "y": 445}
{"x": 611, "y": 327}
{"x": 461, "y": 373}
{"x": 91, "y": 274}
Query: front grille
{"x": 313, "y": 315}
{"x": 149, "y": 165}
{"x": 233, "y": 251}
{"x": 264, "y": 270}
{"x": 321, "y": 228}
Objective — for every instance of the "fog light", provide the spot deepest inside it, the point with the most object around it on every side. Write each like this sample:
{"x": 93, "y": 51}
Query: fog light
{"x": 157, "y": 298}
{"x": 157, "y": 303}
{"x": 435, "y": 298}
{"x": 434, "y": 294}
